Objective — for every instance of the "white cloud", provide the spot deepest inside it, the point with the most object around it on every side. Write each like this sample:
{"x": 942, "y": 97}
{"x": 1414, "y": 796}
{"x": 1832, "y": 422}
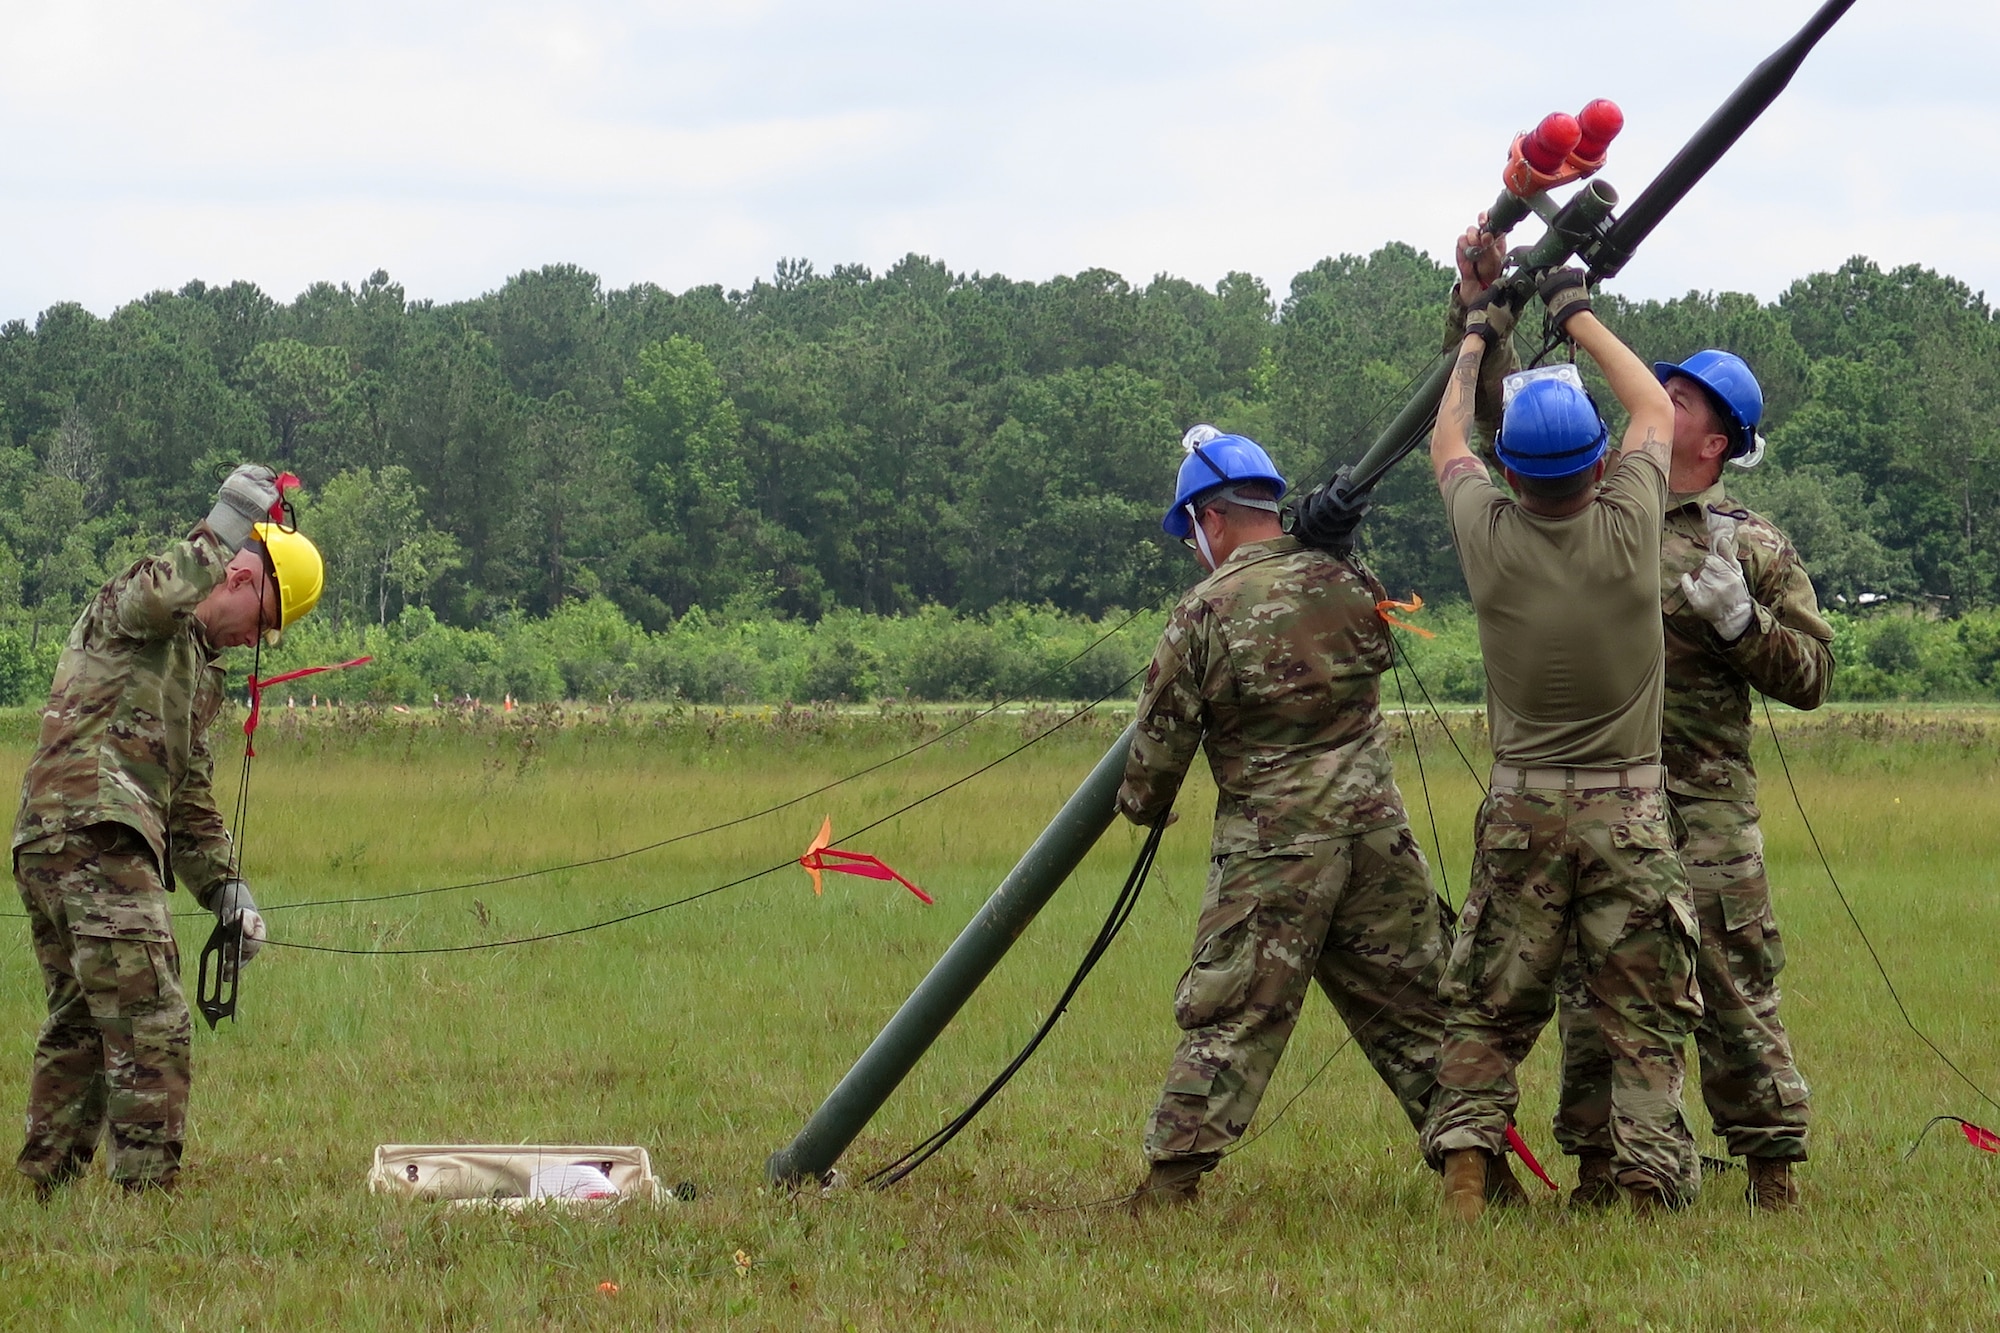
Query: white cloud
{"x": 453, "y": 143}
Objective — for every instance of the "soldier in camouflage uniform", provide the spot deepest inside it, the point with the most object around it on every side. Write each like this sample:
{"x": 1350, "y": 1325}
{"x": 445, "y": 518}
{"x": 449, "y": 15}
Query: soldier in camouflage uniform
{"x": 1770, "y": 638}
{"x": 1272, "y": 664}
{"x": 1573, "y": 845}
{"x": 116, "y": 805}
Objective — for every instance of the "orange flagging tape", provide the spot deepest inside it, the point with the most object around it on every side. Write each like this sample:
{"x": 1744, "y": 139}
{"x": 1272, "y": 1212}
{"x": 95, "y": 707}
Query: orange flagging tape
{"x": 257, "y": 688}
{"x": 821, "y": 857}
{"x": 1411, "y": 607}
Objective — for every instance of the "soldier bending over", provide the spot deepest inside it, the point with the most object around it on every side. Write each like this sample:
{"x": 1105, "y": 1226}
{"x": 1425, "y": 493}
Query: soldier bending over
{"x": 117, "y": 803}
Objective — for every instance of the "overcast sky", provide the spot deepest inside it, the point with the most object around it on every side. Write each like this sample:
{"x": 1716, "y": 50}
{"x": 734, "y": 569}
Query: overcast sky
{"x": 144, "y": 144}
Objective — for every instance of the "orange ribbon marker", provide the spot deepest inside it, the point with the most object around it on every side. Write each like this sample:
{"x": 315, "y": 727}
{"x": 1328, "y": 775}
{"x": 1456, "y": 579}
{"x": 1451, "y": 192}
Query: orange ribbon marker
{"x": 257, "y": 688}
{"x": 820, "y": 857}
{"x": 1411, "y": 607}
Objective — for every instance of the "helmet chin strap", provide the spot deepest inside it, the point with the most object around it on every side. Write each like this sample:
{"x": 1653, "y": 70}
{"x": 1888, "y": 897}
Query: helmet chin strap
{"x": 1201, "y": 538}
{"x": 1751, "y": 457}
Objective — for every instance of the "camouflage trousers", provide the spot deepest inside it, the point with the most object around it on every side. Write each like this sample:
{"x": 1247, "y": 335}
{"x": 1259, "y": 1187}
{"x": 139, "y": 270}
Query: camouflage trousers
{"x": 1756, "y": 1099}
{"x": 114, "y": 1050}
{"x": 1359, "y": 915}
{"x": 1594, "y": 872}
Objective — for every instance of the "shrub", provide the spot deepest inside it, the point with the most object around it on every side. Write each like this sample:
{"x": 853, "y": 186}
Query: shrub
{"x": 589, "y": 650}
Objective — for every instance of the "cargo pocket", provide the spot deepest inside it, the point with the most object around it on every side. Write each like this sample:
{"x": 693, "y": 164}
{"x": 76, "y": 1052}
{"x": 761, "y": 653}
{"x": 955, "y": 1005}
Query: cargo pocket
{"x": 131, "y": 984}
{"x": 1752, "y": 929}
{"x": 119, "y": 916}
{"x": 1791, "y": 1085}
{"x": 1502, "y": 859}
{"x": 1225, "y": 963}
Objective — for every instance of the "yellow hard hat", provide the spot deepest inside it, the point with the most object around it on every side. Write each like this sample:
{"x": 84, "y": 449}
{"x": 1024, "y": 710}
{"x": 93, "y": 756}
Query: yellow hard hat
{"x": 301, "y": 574}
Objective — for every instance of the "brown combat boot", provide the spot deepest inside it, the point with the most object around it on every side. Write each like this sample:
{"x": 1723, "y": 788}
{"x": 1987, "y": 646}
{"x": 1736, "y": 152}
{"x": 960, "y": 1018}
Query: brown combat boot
{"x": 1173, "y": 1184}
{"x": 1772, "y": 1189}
{"x": 1503, "y": 1187}
{"x": 1465, "y": 1171}
{"x": 1596, "y": 1182}
{"x": 1648, "y": 1200}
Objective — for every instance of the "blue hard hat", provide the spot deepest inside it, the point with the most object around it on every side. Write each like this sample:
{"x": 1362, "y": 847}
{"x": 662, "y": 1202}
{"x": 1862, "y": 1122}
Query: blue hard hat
{"x": 1551, "y": 430}
{"x": 1730, "y": 384}
{"x": 1216, "y": 460}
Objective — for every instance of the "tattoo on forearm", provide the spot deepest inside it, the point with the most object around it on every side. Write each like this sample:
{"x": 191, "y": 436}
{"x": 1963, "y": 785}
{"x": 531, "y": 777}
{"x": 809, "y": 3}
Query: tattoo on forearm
{"x": 1462, "y": 390}
{"x": 1465, "y": 375}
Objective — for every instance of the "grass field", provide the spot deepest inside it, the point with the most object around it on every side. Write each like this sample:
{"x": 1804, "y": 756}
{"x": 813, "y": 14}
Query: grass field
{"x": 708, "y": 1034}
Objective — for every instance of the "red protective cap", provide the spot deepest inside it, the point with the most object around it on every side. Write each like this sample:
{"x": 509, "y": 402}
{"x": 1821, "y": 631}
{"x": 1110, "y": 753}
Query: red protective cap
{"x": 1599, "y": 123}
{"x": 1551, "y": 143}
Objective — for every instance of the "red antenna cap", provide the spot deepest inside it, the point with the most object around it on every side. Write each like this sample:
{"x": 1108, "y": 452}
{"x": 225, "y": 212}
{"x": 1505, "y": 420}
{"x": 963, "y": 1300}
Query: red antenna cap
{"x": 1551, "y": 143}
{"x": 1600, "y": 123}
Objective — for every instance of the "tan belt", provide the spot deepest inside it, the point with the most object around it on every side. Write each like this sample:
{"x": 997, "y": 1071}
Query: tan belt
{"x": 1642, "y": 776}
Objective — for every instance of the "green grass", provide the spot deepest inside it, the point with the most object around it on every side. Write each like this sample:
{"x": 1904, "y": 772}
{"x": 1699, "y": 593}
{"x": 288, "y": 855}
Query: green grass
{"x": 710, "y": 1032}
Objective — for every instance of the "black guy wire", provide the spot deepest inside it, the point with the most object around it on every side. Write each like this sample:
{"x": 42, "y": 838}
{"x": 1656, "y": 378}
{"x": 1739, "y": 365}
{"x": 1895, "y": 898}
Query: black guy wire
{"x": 239, "y": 823}
{"x": 740, "y": 819}
{"x": 1438, "y": 713}
{"x": 1423, "y": 779}
{"x": 1330, "y": 462}
{"x": 1121, "y": 912}
{"x": 1970, "y": 1130}
{"x": 1833, "y": 879}
{"x": 718, "y": 888}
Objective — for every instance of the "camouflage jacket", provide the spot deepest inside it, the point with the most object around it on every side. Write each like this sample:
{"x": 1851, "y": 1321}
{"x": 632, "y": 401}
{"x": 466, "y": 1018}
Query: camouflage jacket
{"x": 124, "y": 737}
{"x": 1785, "y": 653}
{"x": 1272, "y": 664}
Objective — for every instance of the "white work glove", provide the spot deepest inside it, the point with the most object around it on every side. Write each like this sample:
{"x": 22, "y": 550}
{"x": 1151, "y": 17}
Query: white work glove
{"x": 1717, "y": 591}
{"x": 233, "y": 901}
{"x": 244, "y": 501}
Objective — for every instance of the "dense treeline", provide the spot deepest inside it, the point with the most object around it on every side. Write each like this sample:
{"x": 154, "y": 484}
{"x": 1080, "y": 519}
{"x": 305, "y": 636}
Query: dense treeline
{"x": 882, "y": 443}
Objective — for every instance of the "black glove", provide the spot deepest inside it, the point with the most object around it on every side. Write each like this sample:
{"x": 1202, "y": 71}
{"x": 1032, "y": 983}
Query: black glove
{"x": 1491, "y": 314}
{"x": 1327, "y": 521}
{"x": 245, "y": 500}
{"x": 1566, "y": 293}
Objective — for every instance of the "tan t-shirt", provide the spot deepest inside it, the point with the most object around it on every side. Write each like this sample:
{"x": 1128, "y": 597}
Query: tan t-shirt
{"x": 1569, "y": 618}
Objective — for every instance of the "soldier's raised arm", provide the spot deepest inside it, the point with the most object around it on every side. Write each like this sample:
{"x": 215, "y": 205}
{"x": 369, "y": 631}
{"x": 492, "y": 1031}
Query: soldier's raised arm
{"x": 156, "y": 597}
{"x": 1651, "y": 428}
{"x": 1480, "y": 258}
